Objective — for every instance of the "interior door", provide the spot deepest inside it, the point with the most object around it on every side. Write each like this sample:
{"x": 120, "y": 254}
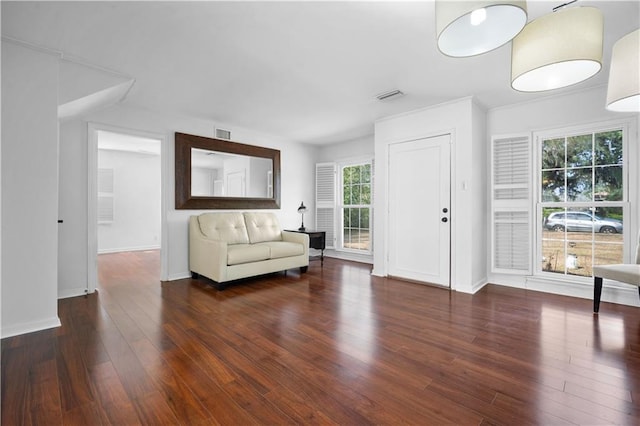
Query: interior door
{"x": 419, "y": 210}
{"x": 236, "y": 184}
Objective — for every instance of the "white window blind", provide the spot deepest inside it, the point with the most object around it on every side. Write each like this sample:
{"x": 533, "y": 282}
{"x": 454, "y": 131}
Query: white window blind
{"x": 105, "y": 196}
{"x": 511, "y": 205}
{"x": 326, "y": 201}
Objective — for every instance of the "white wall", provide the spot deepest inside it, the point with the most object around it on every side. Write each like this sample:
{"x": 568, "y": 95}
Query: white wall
{"x": 137, "y": 202}
{"x": 29, "y": 190}
{"x": 361, "y": 147}
{"x": 202, "y": 181}
{"x": 72, "y": 247}
{"x": 478, "y": 189}
{"x": 463, "y": 120}
{"x": 297, "y": 164}
{"x": 575, "y": 108}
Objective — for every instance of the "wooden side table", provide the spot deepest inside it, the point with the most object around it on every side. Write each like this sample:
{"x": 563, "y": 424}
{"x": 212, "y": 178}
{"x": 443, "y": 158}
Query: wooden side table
{"x": 317, "y": 240}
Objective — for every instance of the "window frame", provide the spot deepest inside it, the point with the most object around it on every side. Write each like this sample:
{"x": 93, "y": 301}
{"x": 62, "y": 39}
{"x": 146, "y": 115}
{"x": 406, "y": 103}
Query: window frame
{"x": 340, "y": 206}
{"x": 625, "y": 204}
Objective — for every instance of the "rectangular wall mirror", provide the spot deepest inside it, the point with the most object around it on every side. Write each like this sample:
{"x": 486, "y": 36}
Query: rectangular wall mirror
{"x": 218, "y": 174}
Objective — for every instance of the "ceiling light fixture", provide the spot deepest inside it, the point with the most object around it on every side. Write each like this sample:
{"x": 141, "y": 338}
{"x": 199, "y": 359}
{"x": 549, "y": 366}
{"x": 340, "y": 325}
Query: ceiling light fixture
{"x": 468, "y": 28}
{"x": 557, "y": 50}
{"x": 478, "y": 16}
{"x": 623, "y": 92}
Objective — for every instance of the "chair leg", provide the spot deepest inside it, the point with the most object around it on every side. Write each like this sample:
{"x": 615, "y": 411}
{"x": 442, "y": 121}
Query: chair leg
{"x": 597, "y": 292}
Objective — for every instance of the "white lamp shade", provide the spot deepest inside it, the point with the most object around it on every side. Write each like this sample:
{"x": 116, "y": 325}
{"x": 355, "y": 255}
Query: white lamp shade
{"x": 557, "y": 50}
{"x": 623, "y": 92}
{"x": 468, "y": 28}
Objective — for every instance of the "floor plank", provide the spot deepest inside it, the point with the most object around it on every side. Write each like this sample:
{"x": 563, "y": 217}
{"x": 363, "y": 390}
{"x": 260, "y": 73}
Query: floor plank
{"x": 333, "y": 346}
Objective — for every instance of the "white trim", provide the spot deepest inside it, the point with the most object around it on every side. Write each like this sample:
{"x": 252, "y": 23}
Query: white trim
{"x": 127, "y": 249}
{"x": 478, "y": 285}
{"x": 355, "y": 257}
{"x": 92, "y": 207}
{"x": 92, "y": 176}
{"x": 427, "y": 108}
{"x": 627, "y": 204}
{"x": 71, "y": 292}
{"x": 67, "y": 58}
{"x": 551, "y": 96}
{"x": 627, "y": 295}
{"x": 354, "y": 161}
{"x": 178, "y": 276}
{"x": 33, "y": 46}
{"x": 339, "y": 206}
{"x": 29, "y": 327}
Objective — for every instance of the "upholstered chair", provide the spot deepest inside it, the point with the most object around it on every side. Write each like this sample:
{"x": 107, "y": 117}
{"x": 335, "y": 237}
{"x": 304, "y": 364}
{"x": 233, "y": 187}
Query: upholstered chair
{"x": 628, "y": 273}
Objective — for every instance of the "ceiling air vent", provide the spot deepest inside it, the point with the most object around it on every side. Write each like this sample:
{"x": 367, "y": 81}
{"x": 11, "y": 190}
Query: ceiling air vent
{"x": 392, "y": 94}
{"x": 223, "y": 134}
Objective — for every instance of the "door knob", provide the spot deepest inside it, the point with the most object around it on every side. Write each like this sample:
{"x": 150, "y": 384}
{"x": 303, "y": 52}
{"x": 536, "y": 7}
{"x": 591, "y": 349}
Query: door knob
{"x": 444, "y": 219}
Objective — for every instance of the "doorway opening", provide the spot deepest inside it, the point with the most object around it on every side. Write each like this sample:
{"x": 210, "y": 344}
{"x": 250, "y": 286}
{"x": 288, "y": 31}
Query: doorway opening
{"x": 126, "y": 214}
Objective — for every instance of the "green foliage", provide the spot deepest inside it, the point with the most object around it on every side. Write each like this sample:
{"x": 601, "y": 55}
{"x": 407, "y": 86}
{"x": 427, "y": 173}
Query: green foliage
{"x": 356, "y": 190}
{"x": 583, "y": 168}
{"x": 356, "y": 185}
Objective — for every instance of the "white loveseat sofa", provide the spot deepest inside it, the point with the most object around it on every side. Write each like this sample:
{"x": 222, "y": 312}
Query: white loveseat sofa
{"x": 229, "y": 246}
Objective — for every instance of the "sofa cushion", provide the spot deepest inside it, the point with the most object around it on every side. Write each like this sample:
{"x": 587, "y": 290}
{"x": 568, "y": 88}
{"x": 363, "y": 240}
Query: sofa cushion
{"x": 262, "y": 226}
{"x": 246, "y": 253}
{"x": 229, "y": 227}
{"x": 280, "y": 249}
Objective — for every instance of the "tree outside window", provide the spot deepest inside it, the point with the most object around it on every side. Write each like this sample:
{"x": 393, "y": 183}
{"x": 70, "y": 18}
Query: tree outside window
{"x": 356, "y": 207}
{"x": 582, "y": 198}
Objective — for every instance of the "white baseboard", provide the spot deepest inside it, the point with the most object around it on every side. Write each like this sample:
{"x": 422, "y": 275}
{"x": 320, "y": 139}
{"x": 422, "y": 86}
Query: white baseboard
{"x": 611, "y": 292}
{"x": 30, "y": 327}
{"x": 355, "y": 257}
{"x": 377, "y": 273}
{"x": 124, "y": 249}
{"x": 71, "y": 292}
{"x": 479, "y": 285}
{"x": 179, "y": 276}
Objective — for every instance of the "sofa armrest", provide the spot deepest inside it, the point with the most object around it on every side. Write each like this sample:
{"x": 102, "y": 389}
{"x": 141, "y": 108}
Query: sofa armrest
{"x": 206, "y": 256}
{"x": 297, "y": 237}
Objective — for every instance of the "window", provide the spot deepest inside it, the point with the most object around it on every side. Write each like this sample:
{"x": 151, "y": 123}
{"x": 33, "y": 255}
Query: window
{"x": 582, "y": 200}
{"x": 355, "y": 209}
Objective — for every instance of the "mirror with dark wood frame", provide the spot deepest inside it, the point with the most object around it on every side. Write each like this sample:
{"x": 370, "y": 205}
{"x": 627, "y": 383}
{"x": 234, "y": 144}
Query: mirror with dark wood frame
{"x": 219, "y": 174}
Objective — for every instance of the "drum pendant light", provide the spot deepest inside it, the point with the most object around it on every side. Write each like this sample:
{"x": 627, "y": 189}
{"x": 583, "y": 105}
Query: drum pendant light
{"x": 557, "y": 50}
{"x": 623, "y": 92}
{"x": 468, "y": 28}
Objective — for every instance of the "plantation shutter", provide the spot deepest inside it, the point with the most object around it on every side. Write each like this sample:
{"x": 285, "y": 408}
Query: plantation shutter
{"x": 511, "y": 237}
{"x": 326, "y": 201}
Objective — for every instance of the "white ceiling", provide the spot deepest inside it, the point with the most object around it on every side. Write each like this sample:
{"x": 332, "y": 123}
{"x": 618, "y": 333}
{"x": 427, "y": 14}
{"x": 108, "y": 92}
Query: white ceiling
{"x": 307, "y": 71}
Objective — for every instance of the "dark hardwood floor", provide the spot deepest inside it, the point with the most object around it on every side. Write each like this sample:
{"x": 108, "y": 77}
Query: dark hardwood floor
{"x": 333, "y": 346}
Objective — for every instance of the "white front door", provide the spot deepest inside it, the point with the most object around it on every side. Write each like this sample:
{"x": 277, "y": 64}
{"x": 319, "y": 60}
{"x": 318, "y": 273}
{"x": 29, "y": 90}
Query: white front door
{"x": 419, "y": 210}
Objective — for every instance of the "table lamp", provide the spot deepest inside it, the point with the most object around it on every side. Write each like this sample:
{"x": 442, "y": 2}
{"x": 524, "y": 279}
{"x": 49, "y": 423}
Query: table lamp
{"x": 302, "y": 210}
